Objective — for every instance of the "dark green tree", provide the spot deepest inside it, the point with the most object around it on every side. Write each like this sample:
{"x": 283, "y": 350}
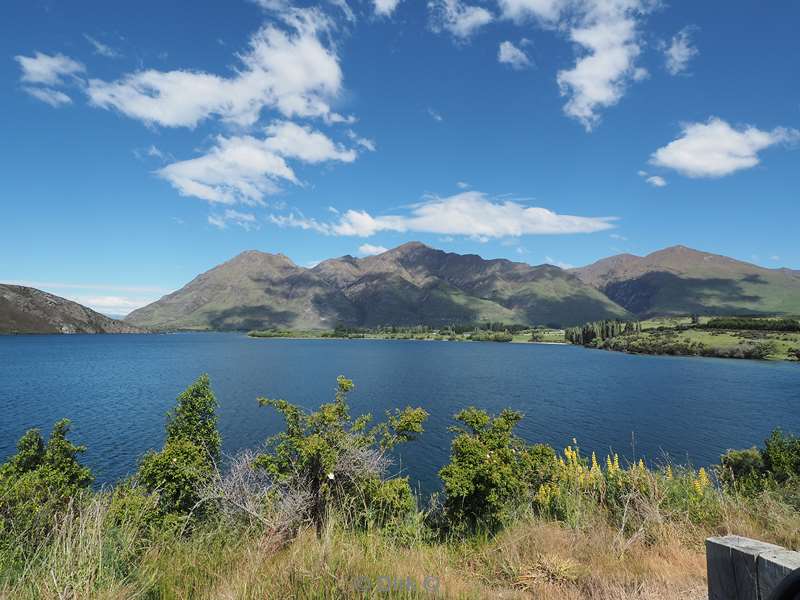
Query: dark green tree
{"x": 190, "y": 453}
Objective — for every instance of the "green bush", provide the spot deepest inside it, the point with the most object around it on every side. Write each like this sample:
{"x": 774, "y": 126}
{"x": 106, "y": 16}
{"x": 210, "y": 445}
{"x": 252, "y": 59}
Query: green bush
{"x": 491, "y": 471}
{"x": 36, "y": 484}
{"x": 339, "y": 460}
{"x": 192, "y": 448}
{"x": 782, "y": 456}
{"x": 742, "y": 470}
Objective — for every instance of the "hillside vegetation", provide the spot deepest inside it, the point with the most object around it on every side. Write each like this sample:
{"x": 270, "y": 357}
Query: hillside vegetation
{"x": 318, "y": 513}
{"x": 731, "y": 337}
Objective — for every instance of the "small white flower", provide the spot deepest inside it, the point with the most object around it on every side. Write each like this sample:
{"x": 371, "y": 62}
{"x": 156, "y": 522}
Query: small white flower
{"x": 330, "y": 476}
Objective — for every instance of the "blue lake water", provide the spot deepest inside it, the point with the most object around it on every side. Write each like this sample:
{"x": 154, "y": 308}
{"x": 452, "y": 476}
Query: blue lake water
{"x": 116, "y": 389}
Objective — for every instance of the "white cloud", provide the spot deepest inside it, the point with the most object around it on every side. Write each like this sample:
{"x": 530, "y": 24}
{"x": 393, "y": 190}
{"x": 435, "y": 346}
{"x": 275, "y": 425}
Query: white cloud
{"x": 435, "y": 115}
{"x": 509, "y": 54}
{"x": 48, "y": 69}
{"x": 291, "y": 71}
{"x": 101, "y": 48}
{"x": 654, "y": 180}
{"x": 462, "y": 185}
{"x": 245, "y": 169}
{"x": 616, "y": 236}
{"x": 608, "y": 33}
{"x": 467, "y": 213}
{"x": 385, "y": 8}
{"x": 365, "y": 143}
{"x": 52, "y": 97}
{"x": 295, "y": 141}
{"x": 112, "y": 305}
{"x": 715, "y": 149}
{"x": 679, "y": 52}
{"x": 459, "y": 19}
{"x": 558, "y": 263}
{"x": 546, "y": 11}
{"x": 775, "y": 257}
{"x": 370, "y": 250}
{"x": 246, "y": 221}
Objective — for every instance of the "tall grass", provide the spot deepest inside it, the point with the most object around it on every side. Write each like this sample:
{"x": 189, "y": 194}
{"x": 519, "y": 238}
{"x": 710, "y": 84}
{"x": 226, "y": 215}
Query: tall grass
{"x": 599, "y": 531}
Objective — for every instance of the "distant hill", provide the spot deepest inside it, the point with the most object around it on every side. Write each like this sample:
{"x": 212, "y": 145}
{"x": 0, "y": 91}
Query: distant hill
{"x": 680, "y": 280}
{"x": 28, "y": 310}
{"x": 409, "y": 285}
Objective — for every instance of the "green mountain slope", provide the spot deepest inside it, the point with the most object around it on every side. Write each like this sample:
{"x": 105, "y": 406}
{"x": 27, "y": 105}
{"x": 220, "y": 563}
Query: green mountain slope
{"x": 679, "y": 280}
{"x": 409, "y": 285}
{"x": 28, "y": 310}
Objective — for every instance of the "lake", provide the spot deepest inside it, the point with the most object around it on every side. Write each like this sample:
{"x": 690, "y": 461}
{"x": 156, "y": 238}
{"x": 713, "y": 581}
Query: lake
{"x": 116, "y": 389}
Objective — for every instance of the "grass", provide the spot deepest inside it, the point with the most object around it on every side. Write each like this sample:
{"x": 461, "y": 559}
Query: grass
{"x": 602, "y": 533}
{"x": 680, "y": 336}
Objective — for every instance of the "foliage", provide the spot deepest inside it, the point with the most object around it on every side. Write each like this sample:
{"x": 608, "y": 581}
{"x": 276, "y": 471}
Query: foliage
{"x": 37, "y": 483}
{"x": 775, "y": 467}
{"x": 753, "y": 324}
{"x": 600, "y": 330}
{"x": 190, "y": 452}
{"x": 337, "y": 459}
{"x": 491, "y": 470}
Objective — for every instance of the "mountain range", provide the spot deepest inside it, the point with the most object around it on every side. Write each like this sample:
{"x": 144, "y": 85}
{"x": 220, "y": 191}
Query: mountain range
{"x": 28, "y": 310}
{"x": 415, "y": 284}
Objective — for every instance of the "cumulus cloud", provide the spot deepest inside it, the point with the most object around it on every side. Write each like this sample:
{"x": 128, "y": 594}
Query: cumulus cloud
{"x": 457, "y": 18}
{"x": 291, "y": 70}
{"x": 679, "y": 52}
{"x": 715, "y": 149}
{"x": 245, "y": 168}
{"x": 608, "y": 33}
{"x": 46, "y": 69}
{"x": 371, "y": 250}
{"x": 467, "y": 213}
{"x": 510, "y": 55}
{"x": 385, "y": 8}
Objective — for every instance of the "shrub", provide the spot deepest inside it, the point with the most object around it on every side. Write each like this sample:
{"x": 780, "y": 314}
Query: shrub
{"x": 742, "y": 470}
{"x": 338, "y": 460}
{"x": 187, "y": 462}
{"x": 37, "y": 483}
{"x": 782, "y": 456}
{"x": 491, "y": 471}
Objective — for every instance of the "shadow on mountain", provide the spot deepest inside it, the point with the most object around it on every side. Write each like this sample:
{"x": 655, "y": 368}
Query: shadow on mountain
{"x": 647, "y": 295}
{"x": 568, "y": 311}
{"x": 755, "y": 278}
{"x": 246, "y": 318}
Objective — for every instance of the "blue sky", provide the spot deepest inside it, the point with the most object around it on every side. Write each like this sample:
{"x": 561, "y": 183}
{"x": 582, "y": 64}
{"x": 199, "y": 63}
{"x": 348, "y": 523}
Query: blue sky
{"x": 144, "y": 143}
